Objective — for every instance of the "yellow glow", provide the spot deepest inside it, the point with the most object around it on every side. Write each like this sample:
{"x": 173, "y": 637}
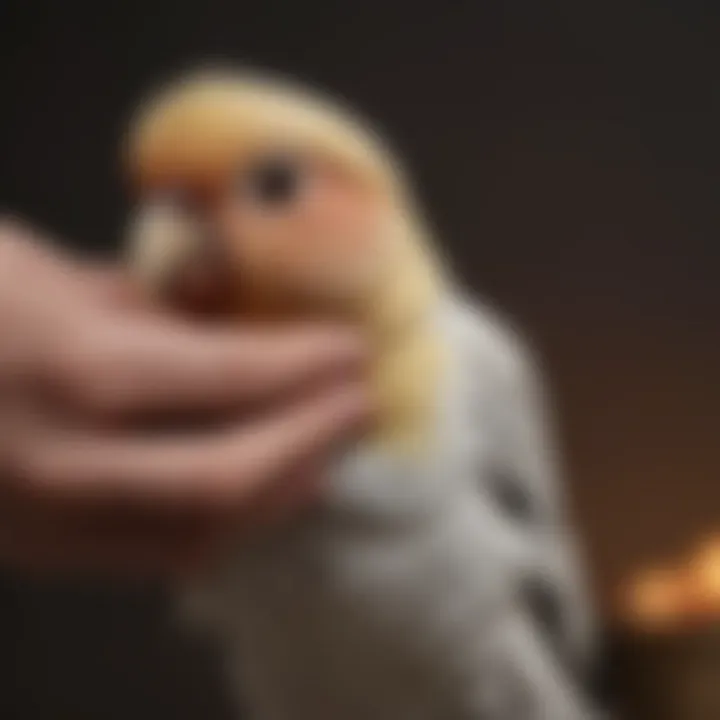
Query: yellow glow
{"x": 655, "y": 599}
{"x": 706, "y": 567}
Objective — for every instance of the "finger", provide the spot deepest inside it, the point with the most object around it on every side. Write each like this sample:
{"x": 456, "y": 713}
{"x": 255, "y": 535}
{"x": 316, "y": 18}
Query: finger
{"x": 24, "y": 255}
{"x": 151, "y": 367}
{"x": 25, "y": 248}
{"x": 218, "y": 473}
{"x": 109, "y": 283}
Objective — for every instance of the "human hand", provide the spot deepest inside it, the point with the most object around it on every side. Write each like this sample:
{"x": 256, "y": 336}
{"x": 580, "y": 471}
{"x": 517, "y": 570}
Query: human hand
{"x": 85, "y": 362}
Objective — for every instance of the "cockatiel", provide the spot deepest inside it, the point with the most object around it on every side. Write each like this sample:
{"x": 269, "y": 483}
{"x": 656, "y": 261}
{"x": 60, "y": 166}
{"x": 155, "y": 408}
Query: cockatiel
{"x": 438, "y": 578}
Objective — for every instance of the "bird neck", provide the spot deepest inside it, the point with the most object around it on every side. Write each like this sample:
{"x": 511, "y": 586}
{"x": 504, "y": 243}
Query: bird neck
{"x": 407, "y": 354}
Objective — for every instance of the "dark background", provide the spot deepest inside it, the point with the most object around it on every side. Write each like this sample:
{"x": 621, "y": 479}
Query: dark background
{"x": 568, "y": 155}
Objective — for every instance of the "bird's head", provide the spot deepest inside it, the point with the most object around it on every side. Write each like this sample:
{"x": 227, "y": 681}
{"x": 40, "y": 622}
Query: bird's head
{"x": 255, "y": 197}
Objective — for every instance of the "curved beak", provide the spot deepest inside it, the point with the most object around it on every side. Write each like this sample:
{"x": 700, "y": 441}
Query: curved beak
{"x": 177, "y": 259}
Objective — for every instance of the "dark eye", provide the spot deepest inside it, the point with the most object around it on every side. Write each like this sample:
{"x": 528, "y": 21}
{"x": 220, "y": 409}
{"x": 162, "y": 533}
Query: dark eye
{"x": 275, "y": 182}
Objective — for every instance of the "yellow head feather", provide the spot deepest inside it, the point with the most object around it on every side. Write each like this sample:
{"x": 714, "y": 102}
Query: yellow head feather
{"x": 203, "y": 129}
{"x": 207, "y": 125}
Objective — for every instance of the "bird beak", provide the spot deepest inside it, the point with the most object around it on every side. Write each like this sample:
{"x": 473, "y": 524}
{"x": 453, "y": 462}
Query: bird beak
{"x": 177, "y": 260}
{"x": 160, "y": 240}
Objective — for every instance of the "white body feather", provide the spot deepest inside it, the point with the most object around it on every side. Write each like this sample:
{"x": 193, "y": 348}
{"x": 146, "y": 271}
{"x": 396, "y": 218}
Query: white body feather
{"x": 402, "y": 598}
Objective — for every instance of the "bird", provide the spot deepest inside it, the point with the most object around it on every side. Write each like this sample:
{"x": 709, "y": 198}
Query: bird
{"x": 441, "y": 575}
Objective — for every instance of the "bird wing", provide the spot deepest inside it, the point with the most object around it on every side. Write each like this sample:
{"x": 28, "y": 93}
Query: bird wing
{"x": 520, "y": 475}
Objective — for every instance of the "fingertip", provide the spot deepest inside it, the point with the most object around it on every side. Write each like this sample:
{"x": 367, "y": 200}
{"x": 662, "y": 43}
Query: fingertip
{"x": 347, "y": 344}
{"x": 306, "y": 434}
{"x": 348, "y": 406}
{"x": 302, "y": 358}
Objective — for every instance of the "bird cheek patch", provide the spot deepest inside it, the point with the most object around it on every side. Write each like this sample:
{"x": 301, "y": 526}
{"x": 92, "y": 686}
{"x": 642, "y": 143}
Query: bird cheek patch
{"x": 337, "y": 240}
{"x": 326, "y": 244}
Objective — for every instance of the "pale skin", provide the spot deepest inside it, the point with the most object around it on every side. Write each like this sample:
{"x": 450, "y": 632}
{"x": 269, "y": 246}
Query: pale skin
{"x": 86, "y": 361}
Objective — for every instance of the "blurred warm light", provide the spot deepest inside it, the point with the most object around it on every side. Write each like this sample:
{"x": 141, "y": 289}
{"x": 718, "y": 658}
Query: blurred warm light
{"x": 662, "y": 599}
{"x": 704, "y": 579}
{"x": 707, "y": 565}
{"x": 655, "y": 599}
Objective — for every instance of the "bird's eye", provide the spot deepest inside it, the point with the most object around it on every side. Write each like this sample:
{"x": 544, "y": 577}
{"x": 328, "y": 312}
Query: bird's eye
{"x": 275, "y": 182}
